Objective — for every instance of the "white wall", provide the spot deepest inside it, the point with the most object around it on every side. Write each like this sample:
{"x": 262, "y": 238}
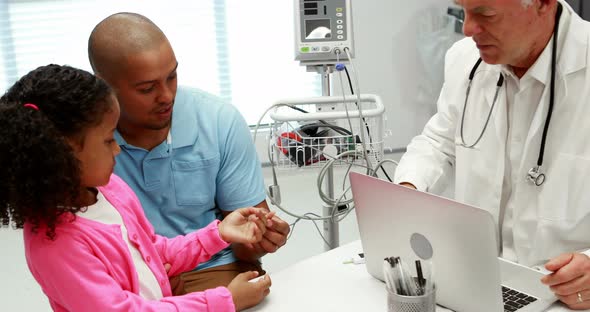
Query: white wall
{"x": 388, "y": 61}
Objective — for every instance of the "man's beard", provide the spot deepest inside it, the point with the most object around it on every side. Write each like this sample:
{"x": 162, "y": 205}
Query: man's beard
{"x": 160, "y": 126}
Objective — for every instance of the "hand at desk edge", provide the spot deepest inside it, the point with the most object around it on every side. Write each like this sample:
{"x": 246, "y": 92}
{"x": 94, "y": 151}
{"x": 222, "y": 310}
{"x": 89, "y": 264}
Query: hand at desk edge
{"x": 570, "y": 280}
{"x": 408, "y": 185}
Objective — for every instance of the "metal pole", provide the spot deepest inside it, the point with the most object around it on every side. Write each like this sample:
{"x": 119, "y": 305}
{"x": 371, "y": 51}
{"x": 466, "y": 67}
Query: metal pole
{"x": 331, "y": 230}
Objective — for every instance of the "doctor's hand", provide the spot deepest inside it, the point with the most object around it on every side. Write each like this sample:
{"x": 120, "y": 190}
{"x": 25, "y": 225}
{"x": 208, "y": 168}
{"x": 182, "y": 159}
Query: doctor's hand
{"x": 408, "y": 185}
{"x": 570, "y": 280}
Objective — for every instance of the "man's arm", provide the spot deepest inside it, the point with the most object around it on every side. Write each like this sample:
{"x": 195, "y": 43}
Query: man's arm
{"x": 430, "y": 157}
{"x": 274, "y": 238}
{"x": 240, "y": 182}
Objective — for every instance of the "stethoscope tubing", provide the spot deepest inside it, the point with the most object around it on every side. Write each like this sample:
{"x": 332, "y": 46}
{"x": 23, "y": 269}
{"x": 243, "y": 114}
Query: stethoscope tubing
{"x": 534, "y": 175}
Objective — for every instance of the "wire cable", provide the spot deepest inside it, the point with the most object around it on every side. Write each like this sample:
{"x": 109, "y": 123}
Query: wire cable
{"x": 364, "y": 121}
{"x": 318, "y": 229}
{"x": 344, "y": 102}
{"x": 349, "y": 157}
{"x": 352, "y": 92}
{"x": 360, "y": 110}
{"x": 292, "y": 226}
{"x": 334, "y": 203}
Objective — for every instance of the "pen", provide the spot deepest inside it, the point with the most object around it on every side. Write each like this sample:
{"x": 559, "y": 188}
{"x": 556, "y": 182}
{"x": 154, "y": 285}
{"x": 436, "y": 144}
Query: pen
{"x": 421, "y": 281}
{"x": 413, "y": 288}
{"x": 387, "y": 276}
{"x": 406, "y": 286}
{"x": 394, "y": 276}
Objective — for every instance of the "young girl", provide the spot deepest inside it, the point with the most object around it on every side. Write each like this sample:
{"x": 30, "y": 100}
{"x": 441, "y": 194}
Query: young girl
{"x": 87, "y": 241}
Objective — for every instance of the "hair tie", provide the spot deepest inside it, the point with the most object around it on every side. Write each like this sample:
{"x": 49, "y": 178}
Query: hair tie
{"x": 33, "y": 106}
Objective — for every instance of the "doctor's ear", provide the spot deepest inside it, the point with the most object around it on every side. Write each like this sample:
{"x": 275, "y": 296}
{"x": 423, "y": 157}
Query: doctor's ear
{"x": 545, "y": 7}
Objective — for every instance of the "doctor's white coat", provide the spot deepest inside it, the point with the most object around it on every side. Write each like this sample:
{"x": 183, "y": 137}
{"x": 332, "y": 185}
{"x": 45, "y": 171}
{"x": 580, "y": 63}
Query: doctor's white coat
{"x": 549, "y": 219}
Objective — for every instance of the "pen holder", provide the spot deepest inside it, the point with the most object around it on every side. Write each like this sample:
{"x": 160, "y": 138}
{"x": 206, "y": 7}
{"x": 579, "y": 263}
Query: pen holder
{"x": 399, "y": 303}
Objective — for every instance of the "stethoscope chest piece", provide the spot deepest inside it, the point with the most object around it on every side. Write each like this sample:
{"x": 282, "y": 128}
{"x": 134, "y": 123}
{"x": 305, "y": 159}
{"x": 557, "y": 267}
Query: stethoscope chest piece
{"x": 535, "y": 176}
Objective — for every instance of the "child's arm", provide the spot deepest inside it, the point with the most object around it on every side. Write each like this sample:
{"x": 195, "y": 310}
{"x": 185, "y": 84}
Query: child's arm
{"x": 183, "y": 253}
{"x": 75, "y": 279}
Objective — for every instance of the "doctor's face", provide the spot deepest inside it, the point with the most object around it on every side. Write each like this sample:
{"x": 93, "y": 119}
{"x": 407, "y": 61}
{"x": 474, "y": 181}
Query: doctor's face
{"x": 505, "y": 31}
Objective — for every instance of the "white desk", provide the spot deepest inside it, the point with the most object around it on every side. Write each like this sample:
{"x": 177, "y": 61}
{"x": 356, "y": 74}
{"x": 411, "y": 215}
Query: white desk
{"x": 324, "y": 283}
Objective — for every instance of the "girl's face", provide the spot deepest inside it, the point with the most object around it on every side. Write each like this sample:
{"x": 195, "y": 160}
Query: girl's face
{"x": 97, "y": 154}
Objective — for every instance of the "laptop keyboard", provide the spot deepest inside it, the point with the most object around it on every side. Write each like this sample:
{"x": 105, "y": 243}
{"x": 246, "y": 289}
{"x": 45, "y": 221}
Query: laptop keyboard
{"x": 514, "y": 300}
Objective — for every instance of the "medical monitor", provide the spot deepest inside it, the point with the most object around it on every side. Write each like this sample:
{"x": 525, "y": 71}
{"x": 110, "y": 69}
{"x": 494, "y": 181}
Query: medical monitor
{"x": 323, "y": 28}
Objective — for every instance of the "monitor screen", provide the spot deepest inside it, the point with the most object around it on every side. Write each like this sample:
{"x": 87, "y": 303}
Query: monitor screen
{"x": 317, "y": 29}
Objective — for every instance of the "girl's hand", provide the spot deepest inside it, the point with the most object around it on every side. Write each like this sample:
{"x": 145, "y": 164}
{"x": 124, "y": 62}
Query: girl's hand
{"x": 245, "y": 225}
{"x": 248, "y": 294}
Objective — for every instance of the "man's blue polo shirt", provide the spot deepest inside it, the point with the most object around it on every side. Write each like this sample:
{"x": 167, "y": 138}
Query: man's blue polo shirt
{"x": 210, "y": 166}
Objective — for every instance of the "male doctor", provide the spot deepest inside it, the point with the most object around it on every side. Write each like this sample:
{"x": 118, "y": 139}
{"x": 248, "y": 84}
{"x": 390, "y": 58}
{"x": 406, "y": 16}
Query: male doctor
{"x": 518, "y": 140}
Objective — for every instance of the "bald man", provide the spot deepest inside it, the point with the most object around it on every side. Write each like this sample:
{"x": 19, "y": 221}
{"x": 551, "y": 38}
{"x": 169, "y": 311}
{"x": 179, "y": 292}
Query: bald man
{"x": 187, "y": 155}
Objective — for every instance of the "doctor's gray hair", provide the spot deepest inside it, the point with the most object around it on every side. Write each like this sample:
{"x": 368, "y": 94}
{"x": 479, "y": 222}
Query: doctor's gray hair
{"x": 526, "y": 3}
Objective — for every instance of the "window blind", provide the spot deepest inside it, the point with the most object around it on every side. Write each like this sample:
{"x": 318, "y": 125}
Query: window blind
{"x": 238, "y": 50}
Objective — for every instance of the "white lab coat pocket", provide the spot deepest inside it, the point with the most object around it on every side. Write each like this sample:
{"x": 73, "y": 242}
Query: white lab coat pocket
{"x": 563, "y": 208}
{"x": 476, "y": 162}
{"x": 476, "y": 175}
{"x": 566, "y": 192}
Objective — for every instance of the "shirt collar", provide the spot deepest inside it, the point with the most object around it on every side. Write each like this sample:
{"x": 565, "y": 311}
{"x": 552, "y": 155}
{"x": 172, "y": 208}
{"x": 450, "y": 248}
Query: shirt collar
{"x": 541, "y": 69}
{"x": 159, "y": 151}
{"x": 184, "y": 124}
{"x": 120, "y": 140}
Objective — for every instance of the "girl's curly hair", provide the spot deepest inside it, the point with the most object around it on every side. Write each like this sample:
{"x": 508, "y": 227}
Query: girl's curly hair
{"x": 40, "y": 175}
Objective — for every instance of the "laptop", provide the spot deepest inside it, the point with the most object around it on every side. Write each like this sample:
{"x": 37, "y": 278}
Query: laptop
{"x": 468, "y": 274}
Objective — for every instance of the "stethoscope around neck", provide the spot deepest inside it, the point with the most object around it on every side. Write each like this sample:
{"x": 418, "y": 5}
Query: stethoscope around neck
{"x": 534, "y": 175}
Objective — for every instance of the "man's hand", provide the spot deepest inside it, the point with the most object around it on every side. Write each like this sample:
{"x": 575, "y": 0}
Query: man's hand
{"x": 570, "y": 280}
{"x": 275, "y": 236}
{"x": 245, "y": 225}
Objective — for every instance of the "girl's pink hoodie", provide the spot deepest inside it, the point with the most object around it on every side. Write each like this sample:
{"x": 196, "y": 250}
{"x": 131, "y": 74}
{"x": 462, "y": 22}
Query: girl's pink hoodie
{"x": 88, "y": 266}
